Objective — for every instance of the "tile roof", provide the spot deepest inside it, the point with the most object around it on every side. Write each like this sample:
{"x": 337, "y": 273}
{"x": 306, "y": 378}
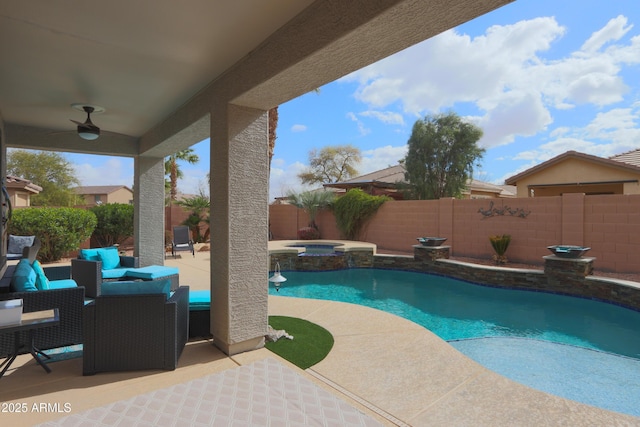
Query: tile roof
{"x": 631, "y": 157}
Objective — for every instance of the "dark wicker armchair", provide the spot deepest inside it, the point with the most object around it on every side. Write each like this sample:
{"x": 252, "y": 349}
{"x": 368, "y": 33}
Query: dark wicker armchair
{"x": 135, "y": 332}
{"x": 69, "y": 302}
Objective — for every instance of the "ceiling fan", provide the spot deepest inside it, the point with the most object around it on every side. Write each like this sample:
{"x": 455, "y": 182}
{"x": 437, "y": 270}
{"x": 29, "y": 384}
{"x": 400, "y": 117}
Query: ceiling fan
{"x": 87, "y": 130}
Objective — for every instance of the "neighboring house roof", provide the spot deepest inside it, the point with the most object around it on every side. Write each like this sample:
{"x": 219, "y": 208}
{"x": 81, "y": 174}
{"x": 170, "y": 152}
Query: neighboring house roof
{"x": 575, "y": 155}
{"x": 22, "y": 184}
{"x": 631, "y": 157}
{"x": 391, "y": 176}
{"x": 99, "y": 189}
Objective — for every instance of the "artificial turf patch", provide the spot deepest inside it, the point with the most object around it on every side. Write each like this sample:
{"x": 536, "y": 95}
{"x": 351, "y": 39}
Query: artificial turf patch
{"x": 310, "y": 344}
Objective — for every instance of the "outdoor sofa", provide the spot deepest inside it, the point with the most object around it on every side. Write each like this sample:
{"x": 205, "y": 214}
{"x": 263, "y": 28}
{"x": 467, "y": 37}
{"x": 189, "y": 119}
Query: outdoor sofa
{"x": 95, "y": 266}
{"x": 63, "y": 294}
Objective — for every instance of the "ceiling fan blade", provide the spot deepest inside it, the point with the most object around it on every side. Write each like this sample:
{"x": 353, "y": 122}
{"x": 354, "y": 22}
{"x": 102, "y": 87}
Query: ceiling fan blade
{"x": 77, "y": 122}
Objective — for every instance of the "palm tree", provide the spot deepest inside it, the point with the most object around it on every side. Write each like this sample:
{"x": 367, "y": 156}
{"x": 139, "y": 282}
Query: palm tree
{"x": 312, "y": 202}
{"x": 172, "y": 168}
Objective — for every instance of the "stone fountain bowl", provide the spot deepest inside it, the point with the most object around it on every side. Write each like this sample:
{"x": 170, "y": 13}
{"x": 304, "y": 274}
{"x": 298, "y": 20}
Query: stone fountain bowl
{"x": 568, "y": 251}
{"x": 431, "y": 241}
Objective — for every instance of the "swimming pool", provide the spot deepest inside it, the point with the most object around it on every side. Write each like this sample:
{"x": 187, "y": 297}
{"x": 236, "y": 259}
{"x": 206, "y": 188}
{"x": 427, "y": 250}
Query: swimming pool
{"x": 485, "y": 323}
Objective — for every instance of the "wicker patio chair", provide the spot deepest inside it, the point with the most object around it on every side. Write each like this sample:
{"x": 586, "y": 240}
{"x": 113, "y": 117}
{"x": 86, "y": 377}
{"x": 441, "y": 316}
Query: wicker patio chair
{"x": 135, "y": 332}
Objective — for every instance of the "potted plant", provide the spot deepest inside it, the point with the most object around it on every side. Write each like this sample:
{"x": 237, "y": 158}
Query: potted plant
{"x": 500, "y": 244}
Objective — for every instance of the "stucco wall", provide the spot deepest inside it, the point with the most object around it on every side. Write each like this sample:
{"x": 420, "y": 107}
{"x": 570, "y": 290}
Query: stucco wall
{"x": 609, "y": 224}
{"x": 572, "y": 171}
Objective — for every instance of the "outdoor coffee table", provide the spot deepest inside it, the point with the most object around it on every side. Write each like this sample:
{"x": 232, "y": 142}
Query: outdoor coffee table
{"x": 30, "y": 322}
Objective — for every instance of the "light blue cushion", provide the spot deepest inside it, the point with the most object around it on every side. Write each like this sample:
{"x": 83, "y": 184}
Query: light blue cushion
{"x": 115, "y": 273}
{"x": 89, "y": 254}
{"x": 199, "y": 300}
{"x": 136, "y": 287}
{"x": 62, "y": 284}
{"x": 42, "y": 283}
{"x": 152, "y": 272}
{"x": 24, "y": 277}
{"x": 109, "y": 257}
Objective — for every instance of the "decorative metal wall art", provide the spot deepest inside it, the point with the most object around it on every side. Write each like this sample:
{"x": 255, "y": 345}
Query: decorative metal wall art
{"x": 503, "y": 211}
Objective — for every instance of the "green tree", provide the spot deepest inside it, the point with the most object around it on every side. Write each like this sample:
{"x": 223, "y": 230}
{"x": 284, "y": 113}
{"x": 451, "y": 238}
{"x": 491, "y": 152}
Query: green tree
{"x": 331, "y": 164}
{"x": 172, "y": 169}
{"x": 312, "y": 202}
{"x": 115, "y": 223}
{"x": 442, "y": 152}
{"x": 49, "y": 170}
{"x": 60, "y": 230}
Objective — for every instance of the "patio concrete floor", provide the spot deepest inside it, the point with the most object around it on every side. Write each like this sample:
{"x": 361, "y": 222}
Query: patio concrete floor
{"x": 389, "y": 368}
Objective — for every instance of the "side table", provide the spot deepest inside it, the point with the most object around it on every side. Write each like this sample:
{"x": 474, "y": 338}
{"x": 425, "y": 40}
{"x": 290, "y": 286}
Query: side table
{"x": 30, "y": 322}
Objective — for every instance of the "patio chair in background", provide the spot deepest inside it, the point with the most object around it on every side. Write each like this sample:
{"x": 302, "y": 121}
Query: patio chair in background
{"x": 182, "y": 240}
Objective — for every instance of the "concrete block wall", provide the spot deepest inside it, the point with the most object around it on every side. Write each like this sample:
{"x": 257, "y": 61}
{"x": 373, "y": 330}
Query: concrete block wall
{"x": 609, "y": 224}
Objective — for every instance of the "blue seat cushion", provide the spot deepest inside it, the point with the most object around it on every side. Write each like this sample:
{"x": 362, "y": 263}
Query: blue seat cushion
{"x": 199, "y": 300}
{"x": 152, "y": 272}
{"x": 136, "y": 287}
{"x": 115, "y": 273}
{"x": 62, "y": 284}
{"x": 24, "y": 277}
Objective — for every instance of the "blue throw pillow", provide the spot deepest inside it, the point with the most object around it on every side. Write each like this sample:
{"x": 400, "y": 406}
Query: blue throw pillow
{"x": 89, "y": 254}
{"x": 109, "y": 257}
{"x": 136, "y": 287}
{"x": 42, "y": 283}
{"x": 24, "y": 277}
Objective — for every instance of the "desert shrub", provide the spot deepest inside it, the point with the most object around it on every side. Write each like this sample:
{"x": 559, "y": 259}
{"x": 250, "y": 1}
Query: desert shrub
{"x": 354, "y": 209}
{"x": 60, "y": 230}
{"x": 115, "y": 223}
{"x": 308, "y": 233}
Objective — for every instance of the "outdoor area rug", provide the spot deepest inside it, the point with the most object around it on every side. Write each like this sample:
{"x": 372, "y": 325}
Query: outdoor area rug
{"x": 264, "y": 393}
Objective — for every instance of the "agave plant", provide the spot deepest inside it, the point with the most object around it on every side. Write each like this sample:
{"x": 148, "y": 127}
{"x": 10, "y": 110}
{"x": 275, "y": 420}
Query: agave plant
{"x": 500, "y": 244}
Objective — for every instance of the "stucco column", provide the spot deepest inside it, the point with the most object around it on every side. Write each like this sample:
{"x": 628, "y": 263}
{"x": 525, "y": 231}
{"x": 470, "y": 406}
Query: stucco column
{"x": 148, "y": 217}
{"x": 239, "y": 227}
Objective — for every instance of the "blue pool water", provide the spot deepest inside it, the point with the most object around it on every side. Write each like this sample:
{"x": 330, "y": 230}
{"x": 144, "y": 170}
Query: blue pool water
{"x": 580, "y": 349}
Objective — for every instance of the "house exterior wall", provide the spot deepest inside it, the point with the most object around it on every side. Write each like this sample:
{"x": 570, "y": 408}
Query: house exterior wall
{"x": 571, "y": 171}
{"x": 121, "y": 195}
{"x": 608, "y": 224}
{"x": 19, "y": 199}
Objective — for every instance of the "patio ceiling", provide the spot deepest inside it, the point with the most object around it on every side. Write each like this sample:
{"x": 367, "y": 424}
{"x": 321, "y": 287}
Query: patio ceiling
{"x": 156, "y": 66}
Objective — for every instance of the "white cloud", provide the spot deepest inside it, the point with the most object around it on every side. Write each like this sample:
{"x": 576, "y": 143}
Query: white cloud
{"x": 506, "y": 75}
{"x": 614, "y": 30}
{"x": 284, "y": 179}
{"x": 386, "y": 117}
{"x": 381, "y": 158}
{"x": 362, "y": 129}
{"x": 298, "y": 128}
{"x": 109, "y": 171}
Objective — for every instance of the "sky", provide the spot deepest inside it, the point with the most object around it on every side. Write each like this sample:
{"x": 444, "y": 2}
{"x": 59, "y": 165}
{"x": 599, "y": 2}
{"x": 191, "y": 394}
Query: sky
{"x": 540, "y": 77}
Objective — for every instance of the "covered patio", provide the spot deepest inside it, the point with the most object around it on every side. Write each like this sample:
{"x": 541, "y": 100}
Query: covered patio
{"x": 168, "y": 76}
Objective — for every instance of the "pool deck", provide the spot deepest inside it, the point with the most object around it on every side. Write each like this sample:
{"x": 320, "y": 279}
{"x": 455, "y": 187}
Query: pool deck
{"x": 390, "y": 368}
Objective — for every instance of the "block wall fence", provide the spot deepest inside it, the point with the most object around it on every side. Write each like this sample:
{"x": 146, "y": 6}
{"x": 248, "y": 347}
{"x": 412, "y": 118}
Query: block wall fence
{"x": 608, "y": 224}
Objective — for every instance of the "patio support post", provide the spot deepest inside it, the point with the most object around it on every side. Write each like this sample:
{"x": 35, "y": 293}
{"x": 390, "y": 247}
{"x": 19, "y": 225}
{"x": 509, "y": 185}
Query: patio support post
{"x": 239, "y": 227}
{"x": 148, "y": 217}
